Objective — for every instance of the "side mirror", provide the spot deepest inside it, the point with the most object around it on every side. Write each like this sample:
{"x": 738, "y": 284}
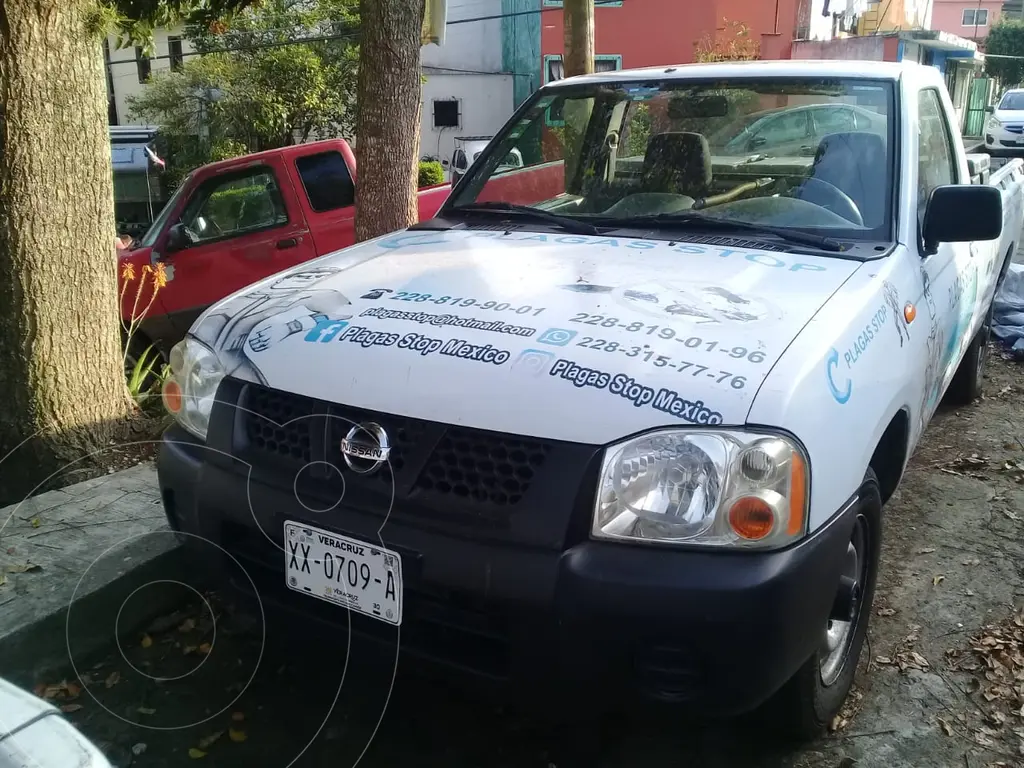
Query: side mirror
{"x": 962, "y": 213}
{"x": 990, "y": 109}
{"x": 178, "y": 238}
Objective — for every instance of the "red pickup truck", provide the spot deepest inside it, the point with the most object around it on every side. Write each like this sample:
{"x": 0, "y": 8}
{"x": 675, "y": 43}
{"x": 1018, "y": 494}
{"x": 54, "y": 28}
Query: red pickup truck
{"x": 232, "y": 223}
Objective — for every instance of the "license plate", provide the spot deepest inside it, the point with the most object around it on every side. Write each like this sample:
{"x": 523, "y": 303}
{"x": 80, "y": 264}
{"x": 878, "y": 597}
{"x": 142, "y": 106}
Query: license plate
{"x": 361, "y": 577}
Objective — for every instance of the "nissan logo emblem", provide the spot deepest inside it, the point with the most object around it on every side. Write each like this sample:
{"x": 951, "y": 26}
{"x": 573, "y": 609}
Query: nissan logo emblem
{"x": 366, "y": 447}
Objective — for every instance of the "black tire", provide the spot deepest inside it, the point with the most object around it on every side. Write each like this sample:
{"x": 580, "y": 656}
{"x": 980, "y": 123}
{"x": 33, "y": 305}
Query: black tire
{"x": 968, "y": 381}
{"x": 805, "y": 705}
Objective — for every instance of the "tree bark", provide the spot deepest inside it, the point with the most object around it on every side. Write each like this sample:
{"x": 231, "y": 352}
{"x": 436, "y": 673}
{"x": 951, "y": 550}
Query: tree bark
{"x": 61, "y": 370}
{"x": 387, "y": 123}
{"x": 578, "y": 21}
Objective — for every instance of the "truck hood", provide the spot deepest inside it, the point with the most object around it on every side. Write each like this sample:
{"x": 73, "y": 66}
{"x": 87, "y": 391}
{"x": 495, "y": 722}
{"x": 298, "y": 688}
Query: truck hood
{"x": 563, "y": 337}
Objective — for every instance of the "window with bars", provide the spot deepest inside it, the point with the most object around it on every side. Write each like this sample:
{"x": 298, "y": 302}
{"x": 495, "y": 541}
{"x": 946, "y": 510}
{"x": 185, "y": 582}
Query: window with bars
{"x": 175, "y": 53}
{"x": 975, "y": 17}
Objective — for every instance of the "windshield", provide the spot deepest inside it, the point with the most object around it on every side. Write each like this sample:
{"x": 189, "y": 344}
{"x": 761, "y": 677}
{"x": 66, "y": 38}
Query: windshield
{"x": 149, "y": 239}
{"x": 1013, "y": 101}
{"x": 781, "y": 152}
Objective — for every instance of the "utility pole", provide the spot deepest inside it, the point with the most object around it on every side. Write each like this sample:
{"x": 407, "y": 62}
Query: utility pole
{"x": 578, "y": 20}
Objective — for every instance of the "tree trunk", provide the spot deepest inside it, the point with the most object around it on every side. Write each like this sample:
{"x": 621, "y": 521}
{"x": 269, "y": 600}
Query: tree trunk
{"x": 578, "y": 37}
{"x": 61, "y": 370}
{"x": 387, "y": 123}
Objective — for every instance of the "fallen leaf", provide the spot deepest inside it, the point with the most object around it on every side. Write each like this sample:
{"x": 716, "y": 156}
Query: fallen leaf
{"x": 205, "y": 648}
{"x": 195, "y": 754}
{"x": 886, "y": 611}
{"x": 236, "y": 735}
{"x": 146, "y": 641}
{"x": 24, "y": 568}
{"x": 112, "y": 679}
{"x": 883, "y": 660}
{"x": 72, "y": 689}
{"x": 946, "y": 727}
{"x": 146, "y": 711}
{"x": 938, "y": 580}
{"x": 70, "y": 707}
{"x": 1010, "y": 514}
{"x": 238, "y": 716}
{"x": 138, "y": 749}
{"x": 188, "y": 649}
{"x": 926, "y": 551}
{"x": 35, "y": 522}
{"x": 972, "y": 561}
{"x": 206, "y": 741}
{"x": 187, "y": 625}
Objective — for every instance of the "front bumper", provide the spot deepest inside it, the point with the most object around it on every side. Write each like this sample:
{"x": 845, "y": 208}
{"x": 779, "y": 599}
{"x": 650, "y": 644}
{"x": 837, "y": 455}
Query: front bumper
{"x": 1004, "y": 137}
{"x": 723, "y": 630}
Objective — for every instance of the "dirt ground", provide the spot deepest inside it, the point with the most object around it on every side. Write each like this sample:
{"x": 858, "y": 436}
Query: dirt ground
{"x": 941, "y": 683}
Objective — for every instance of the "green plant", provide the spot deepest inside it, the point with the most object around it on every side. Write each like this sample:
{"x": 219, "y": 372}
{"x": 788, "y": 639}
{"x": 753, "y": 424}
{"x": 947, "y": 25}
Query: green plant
{"x": 431, "y": 173}
{"x": 1005, "y": 39}
{"x": 147, "y": 376}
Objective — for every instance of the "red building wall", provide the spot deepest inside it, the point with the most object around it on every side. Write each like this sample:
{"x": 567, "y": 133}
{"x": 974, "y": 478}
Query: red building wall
{"x": 663, "y": 32}
{"x": 643, "y": 32}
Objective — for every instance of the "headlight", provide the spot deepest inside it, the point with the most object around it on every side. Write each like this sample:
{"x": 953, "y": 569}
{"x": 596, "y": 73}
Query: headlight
{"x": 716, "y": 489}
{"x": 189, "y": 391}
{"x": 993, "y": 123}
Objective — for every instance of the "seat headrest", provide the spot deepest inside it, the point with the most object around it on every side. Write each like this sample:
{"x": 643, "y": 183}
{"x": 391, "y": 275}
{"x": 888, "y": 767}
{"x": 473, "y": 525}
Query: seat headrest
{"x": 682, "y": 156}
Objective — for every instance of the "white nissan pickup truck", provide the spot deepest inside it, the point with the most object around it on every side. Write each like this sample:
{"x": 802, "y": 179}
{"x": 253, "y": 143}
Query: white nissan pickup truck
{"x": 623, "y": 419}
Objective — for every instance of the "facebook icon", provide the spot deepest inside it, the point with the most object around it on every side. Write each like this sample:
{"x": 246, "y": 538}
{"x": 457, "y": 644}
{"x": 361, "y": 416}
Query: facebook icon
{"x": 326, "y": 330}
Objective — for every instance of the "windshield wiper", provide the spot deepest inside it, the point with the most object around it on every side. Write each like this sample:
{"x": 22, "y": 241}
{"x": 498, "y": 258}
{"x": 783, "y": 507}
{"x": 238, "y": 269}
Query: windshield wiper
{"x": 713, "y": 222}
{"x": 567, "y": 223}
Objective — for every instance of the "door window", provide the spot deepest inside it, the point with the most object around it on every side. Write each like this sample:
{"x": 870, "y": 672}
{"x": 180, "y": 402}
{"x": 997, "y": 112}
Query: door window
{"x": 934, "y": 149}
{"x": 234, "y": 205}
{"x": 833, "y": 120}
{"x": 791, "y": 127}
{"x": 327, "y": 181}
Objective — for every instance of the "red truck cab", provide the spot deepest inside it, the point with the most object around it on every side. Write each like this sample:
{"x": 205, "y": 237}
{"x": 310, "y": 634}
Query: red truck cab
{"x": 232, "y": 223}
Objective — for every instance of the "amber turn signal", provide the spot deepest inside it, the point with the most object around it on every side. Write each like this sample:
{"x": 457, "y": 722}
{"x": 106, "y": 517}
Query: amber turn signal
{"x": 909, "y": 312}
{"x": 172, "y": 395}
{"x": 751, "y": 518}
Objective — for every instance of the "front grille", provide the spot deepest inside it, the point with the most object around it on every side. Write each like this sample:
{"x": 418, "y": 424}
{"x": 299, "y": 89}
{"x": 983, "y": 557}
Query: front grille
{"x": 492, "y": 469}
{"x": 442, "y": 476}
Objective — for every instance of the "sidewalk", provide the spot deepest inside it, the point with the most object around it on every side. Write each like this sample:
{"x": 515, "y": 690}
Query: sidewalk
{"x": 69, "y": 562}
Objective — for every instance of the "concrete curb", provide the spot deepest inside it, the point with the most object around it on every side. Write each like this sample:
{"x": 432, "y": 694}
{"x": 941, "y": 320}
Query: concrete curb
{"x": 103, "y": 563}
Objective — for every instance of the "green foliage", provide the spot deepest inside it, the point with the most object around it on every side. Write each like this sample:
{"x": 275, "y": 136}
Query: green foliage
{"x": 1006, "y": 39}
{"x": 254, "y": 88}
{"x": 431, "y": 173}
{"x": 147, "y": 377}
{"x": 639, "y": 132}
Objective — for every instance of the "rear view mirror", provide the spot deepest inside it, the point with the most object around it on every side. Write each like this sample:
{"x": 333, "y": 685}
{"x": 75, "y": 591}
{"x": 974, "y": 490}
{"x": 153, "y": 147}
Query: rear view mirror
{"x": 683, "y": 106}
{"x": 962, "y": 213}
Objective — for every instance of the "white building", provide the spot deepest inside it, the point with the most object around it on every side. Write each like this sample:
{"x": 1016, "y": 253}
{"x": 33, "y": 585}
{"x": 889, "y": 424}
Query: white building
{"x": 128, "y": 69}
{"x": 464, "y": 93}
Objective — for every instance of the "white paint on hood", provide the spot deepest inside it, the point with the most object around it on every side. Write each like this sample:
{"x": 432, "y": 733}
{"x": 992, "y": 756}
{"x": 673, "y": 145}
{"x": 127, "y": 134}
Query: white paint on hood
{"x": 561, "y": 337}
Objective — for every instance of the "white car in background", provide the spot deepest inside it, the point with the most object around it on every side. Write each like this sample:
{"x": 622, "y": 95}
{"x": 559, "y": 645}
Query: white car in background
{"x": 34, "y": 734}
{"x": 1004, "y": 128}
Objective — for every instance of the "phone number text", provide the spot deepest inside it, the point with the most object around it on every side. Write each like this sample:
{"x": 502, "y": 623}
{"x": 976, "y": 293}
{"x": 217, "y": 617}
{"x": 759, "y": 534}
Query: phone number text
{"x": 461, "y": 301}
{"x": 667, "y": 361}
{"x": 662, "y": 332}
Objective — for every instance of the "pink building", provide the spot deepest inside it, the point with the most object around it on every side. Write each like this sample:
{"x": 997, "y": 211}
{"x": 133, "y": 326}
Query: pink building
{"x": 967, "y": 18}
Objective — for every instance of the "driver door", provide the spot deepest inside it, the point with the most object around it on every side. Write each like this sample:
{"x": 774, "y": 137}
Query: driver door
{"x": 242, "y": 230}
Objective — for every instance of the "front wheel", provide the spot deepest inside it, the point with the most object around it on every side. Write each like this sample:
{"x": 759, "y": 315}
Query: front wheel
{"x": 815, "y": 694}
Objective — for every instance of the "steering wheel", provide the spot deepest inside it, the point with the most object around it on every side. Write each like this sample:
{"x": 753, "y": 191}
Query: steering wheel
{"x": 830, "y": 197}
